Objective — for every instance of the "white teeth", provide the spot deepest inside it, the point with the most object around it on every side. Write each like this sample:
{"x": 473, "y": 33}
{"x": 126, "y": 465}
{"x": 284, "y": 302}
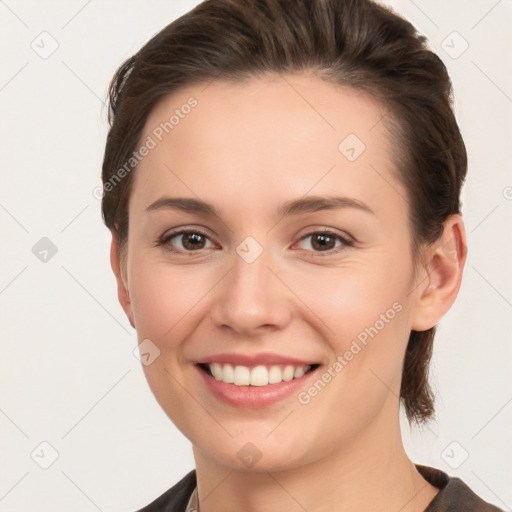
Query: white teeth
{"x": 257, "y": 375}
{"x": 228, "y": 374}
{"x": 242, "y": 376}
{"x": 275, "y": 375}
{"x": 216, "y": 370}
{"x": 299, "y": 372}
{"x": 288, "y": 373}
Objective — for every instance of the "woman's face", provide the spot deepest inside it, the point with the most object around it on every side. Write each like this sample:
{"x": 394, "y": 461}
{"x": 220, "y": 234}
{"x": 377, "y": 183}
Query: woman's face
{"x": 257, "y": 284}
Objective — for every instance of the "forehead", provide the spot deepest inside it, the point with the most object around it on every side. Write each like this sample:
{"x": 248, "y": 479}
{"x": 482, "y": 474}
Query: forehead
{"x": 276, "y": 135}
{"x": 301, "y": 103}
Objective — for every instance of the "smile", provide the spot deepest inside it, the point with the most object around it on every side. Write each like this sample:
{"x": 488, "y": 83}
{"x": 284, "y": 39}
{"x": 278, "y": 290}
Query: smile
{"x": 253, "y": 384}
{"x": 260, "y": 375}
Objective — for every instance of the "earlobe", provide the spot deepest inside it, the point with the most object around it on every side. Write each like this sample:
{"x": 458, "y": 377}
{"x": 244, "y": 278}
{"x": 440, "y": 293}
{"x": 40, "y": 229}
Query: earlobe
{"x": 444, "y": 265}
{"x": 123, "y": 293}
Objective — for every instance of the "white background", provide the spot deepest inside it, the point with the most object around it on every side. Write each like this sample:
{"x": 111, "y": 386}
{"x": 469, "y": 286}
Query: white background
{"x": 67, "y": 372}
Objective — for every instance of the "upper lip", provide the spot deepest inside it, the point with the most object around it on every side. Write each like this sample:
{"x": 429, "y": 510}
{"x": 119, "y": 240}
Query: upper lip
{"x": 265, "y": 358}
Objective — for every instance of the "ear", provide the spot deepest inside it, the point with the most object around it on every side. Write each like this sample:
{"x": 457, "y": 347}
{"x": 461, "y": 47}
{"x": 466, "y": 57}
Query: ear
{"x": 443, "y": 266}
{"x": 123, "y": 293}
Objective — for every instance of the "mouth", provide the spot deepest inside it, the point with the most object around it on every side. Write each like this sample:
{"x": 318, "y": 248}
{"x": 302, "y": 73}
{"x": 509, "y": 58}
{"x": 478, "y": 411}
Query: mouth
{"x": 256, "y": 375}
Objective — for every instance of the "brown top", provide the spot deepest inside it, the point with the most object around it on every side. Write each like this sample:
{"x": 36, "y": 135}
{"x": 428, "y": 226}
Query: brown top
{"x": 454, "y": 496}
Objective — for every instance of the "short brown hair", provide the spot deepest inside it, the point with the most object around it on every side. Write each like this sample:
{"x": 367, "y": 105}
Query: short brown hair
{"x": 357, "y": 43}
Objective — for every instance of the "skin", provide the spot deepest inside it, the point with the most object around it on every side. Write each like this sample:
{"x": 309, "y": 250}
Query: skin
{"x": 247, "y": 148}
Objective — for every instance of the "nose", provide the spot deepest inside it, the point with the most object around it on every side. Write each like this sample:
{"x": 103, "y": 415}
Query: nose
{"x": 251, "y": 298}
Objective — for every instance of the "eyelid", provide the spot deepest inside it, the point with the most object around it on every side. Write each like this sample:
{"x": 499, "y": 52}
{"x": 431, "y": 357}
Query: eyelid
{"x": 345, "y": 239}
{"x": 166, "y": 237}
{"x": 328, "y": 231}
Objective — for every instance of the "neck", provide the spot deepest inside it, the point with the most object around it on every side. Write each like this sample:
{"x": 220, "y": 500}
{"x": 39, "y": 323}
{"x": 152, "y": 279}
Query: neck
{"x": 374, "y": 474}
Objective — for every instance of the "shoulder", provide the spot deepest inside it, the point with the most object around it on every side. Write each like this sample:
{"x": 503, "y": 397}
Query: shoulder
{"x": 175, "y": 498}
{"x": 454, "y": 494}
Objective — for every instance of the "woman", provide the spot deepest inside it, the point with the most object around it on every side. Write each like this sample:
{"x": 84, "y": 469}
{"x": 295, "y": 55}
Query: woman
{"x": 282, "y": 182}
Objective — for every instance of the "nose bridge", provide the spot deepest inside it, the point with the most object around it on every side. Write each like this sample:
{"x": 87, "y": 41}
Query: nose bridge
{"x": 251, "y": 296}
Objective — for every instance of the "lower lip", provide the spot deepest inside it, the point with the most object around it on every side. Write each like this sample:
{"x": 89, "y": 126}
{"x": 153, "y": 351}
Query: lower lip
{"x": 253, "y": 396}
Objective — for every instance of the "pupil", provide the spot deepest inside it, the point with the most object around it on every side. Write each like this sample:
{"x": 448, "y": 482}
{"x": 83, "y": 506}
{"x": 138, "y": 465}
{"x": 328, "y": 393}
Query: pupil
{"x": 194, "y": 237}
{"x": 324, "y": 241}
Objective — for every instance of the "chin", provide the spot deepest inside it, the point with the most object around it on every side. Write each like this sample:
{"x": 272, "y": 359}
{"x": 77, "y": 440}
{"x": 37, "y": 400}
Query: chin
{"x": 256, "y": 456}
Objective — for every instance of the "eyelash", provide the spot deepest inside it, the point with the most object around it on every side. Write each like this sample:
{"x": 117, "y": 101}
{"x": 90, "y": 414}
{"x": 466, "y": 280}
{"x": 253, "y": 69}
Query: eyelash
{"x": 164, "y": 241}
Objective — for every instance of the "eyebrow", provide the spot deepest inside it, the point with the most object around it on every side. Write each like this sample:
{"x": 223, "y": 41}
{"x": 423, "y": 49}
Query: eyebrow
{"x": 303, "y": 205}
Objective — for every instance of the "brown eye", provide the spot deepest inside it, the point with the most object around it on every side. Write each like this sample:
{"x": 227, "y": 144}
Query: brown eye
{"x": 190, "y": 241}
{"x": 324, "y": 241}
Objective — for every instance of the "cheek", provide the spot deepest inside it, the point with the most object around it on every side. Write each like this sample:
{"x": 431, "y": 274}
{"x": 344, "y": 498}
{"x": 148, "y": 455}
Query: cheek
{"x": 365, "y": 372}
{"x": 165, "y": 304}
{"x": 356, "y": 296}
{"x": 364, "y": 315}
{"x": 163, "y": 299}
